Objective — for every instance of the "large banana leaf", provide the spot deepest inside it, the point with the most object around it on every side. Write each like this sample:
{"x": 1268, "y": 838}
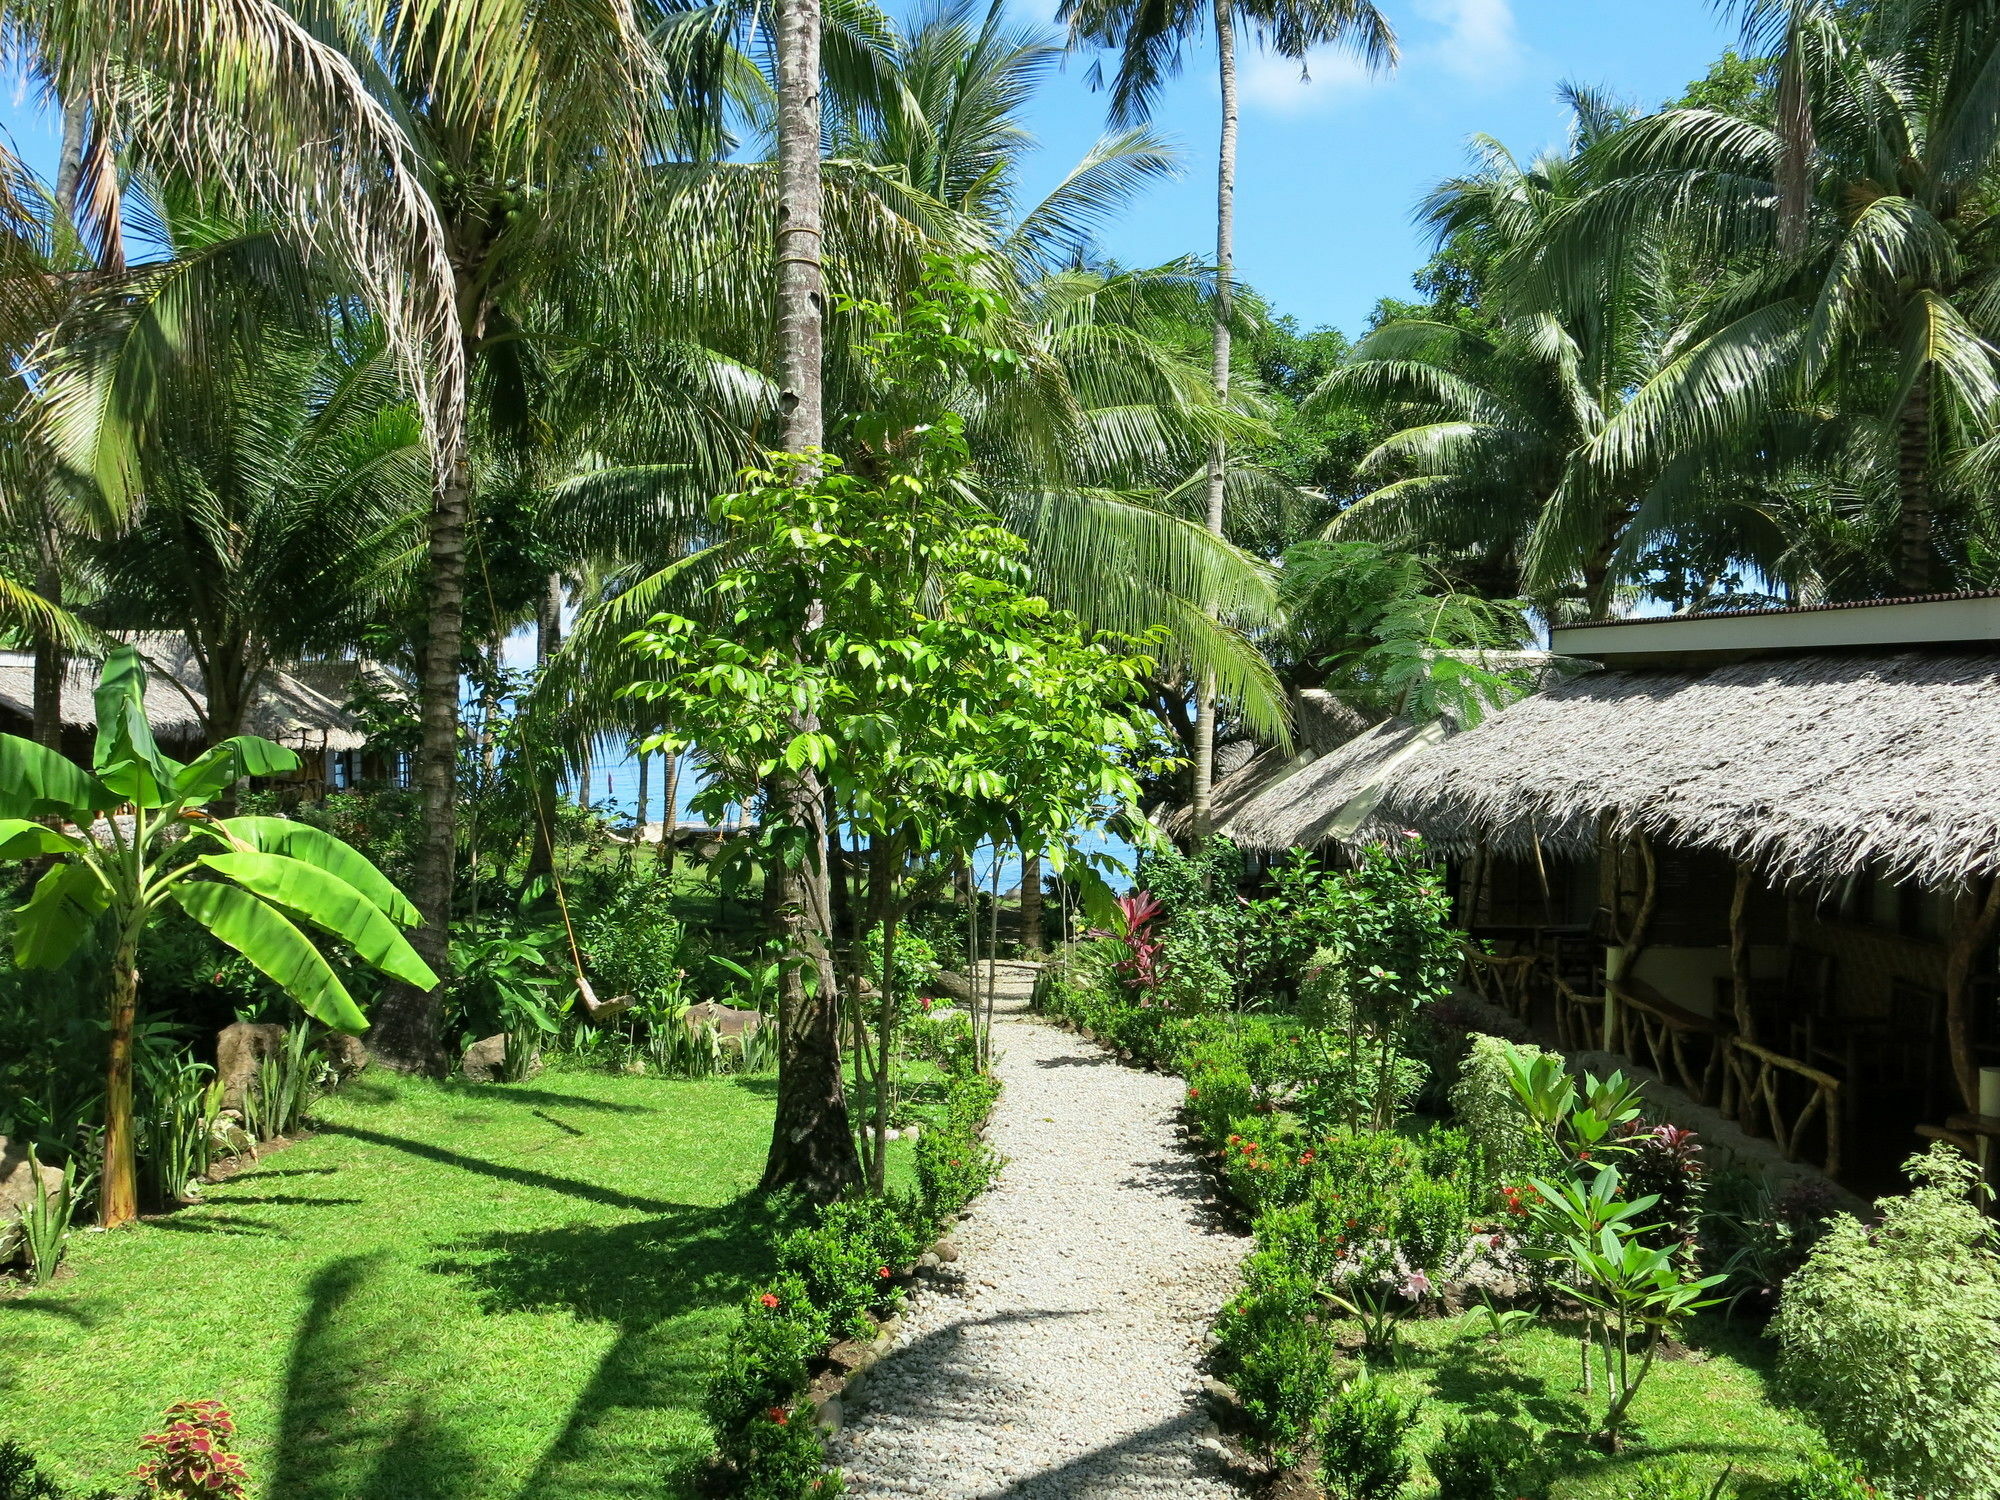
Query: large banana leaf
{"x": 222, "y": 766}
{"x": 127, "y": 759}
{"x": 317, "y": 847}
{"x": 66, "y": 904}
{"x": 34, "y": 781}
{"x": 329, "y": 903}
{"x": 286, "y": 956}
{"x": 21, "y": 839}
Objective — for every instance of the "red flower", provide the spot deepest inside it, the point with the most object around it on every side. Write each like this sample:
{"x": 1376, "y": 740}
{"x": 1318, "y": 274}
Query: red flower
{"x": 883, "y": 1272}
{"x": 768, "y": 1300}
{"x": 777, "y": 1414}
{"x": 1305, "y": 1158}
{"x": 1194, "y": 1093}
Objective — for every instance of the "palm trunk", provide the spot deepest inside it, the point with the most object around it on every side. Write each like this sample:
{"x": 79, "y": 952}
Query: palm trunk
{"x": 118, "y": 1200}
{"x": 405, "y": 1033}
{"x": 639, "y": 815}
{"x": 50, "y": 659}
{"x": 671, "y": 813}
{"x": 1031, "y": 903}
{"x": 1916, "y": 560}
{"x": 883, "y": 859}
{"x": 812, "y": 1144}
{"x": 1201, "y": 807}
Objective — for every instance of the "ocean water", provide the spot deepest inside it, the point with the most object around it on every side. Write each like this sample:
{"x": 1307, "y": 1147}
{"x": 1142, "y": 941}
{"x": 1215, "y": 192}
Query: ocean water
{"x": 614, "y": 790}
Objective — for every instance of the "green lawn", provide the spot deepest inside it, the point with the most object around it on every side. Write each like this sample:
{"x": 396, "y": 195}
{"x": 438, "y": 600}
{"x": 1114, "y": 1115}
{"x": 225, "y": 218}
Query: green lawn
{"x": 1709, "y": 1408}
{"x": 452, "y": 1292}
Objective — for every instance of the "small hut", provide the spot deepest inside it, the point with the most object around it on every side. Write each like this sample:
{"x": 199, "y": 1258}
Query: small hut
{"x": 302, "y": 707}
{"x": 1757, "y": 853}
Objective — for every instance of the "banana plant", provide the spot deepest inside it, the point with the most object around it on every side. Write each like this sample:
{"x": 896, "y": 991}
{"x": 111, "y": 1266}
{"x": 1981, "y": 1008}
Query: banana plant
{"x": 130, "y": 834}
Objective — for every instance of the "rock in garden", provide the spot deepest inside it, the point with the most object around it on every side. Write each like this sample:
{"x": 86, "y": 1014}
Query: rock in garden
{"x": 728, "y": 1020}
{"x": 945, "y": 1251}
{"x": 830, "y": 1414}
{"x": 17, "y": 1193}
{"x": 953, "y": 984}
{"x": 344, "y": 1053}
{"x": 239, "y": 1051}
{"x": 486, "y": 1061}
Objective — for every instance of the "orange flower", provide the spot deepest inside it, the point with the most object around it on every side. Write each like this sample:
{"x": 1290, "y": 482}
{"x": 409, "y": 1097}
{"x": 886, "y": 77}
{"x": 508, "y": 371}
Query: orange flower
{"x": 768, "y": 1300}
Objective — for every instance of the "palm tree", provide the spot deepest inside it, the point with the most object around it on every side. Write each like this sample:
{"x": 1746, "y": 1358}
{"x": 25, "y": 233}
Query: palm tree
{"x": 285, "y": 476}
{"x": 1855, "y": 239}
{"x": 1149, "y": 39}
{"x": 1500, "y": 465}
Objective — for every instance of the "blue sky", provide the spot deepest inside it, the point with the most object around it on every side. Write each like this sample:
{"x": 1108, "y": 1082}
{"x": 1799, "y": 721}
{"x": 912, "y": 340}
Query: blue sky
{"x": 1331, "y": 169}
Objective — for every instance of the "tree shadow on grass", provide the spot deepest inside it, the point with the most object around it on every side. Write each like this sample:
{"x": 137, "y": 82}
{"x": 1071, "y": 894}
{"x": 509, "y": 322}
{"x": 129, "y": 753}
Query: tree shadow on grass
{"x": 665, "y": 1284}
{"x": 573, "y": 1187}
{"x": 1478, "y": 1378}
{"x": 352, "y": 1426}
{"x": 514, "y": 1093}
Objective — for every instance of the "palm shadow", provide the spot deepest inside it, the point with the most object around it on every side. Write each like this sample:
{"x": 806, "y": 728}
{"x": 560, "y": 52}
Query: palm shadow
{"x": 664, "y": 1284}
{"x": 520, "y": 1176}
{"x": 349, "y": 1428}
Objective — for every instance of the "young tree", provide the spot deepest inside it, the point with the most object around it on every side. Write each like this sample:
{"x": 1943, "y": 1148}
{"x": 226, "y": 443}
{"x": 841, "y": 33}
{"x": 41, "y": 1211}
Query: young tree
{"x": 1149, "y": 39}
{"x": 120, "y": 868}
{"x": 877, "y": 631}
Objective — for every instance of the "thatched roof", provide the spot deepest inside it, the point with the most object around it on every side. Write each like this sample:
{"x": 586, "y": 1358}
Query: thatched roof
{"x": 306, "y": 715}
{"x": 1329, "y": 798}
{"x": 1813, "y": 765}
{"x": 1320, "y": 722}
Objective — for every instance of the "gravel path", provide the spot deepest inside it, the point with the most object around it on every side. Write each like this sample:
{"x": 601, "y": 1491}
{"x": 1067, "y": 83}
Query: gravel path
{"x": 1058, "y": 1357}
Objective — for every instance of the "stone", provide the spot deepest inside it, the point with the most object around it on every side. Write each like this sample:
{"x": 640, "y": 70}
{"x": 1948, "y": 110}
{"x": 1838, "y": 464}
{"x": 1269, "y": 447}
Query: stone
{"x": 728, "y": 1020}
{"x": 928, "y": 1261}
{"x": 956, "y": 985}
{"x": 17, "y": 1193}
{"x": 945, "y": 1251}
{"x": 911, "y": 1132}
{"x": 830, "y": 1414}
{"x": 485, "y": 1061}
{"x": 239, "y": 1051}
{"x": 344, "y": 1053}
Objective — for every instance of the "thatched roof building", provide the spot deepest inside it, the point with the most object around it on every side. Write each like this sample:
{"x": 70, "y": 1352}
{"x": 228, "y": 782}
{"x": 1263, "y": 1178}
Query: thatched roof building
{"x": 1813, "y": 764}
{"x": 1329, "y": 798}
{"x": 303, "y": 708}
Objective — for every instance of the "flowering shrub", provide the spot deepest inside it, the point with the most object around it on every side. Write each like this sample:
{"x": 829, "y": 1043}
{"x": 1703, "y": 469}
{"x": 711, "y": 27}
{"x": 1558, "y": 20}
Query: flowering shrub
{"x": 190, "y": 1456}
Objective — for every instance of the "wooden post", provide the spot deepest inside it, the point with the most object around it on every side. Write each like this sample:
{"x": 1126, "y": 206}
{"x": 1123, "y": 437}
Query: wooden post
{"x": 1973, "y": 931}
{"x": 1739, "y": 953}
{"x": 1633, "y": 943}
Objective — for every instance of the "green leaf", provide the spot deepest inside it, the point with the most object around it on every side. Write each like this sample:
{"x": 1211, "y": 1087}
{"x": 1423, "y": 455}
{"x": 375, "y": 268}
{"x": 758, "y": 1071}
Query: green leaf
{"x": 330, "y": 904}
{"x": 21, "y": 839}
{"x": 127, "y": 759}
{"x": 222, "y": 766}
{"x": 316, "y": 847}
{"x": 66, "y": 904}
{"x": 283, "y": 954}
{"x": 34, "y": 780}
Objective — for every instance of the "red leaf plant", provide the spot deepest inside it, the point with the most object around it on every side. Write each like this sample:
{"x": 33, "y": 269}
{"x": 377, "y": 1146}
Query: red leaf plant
{"x": 1139, "y": 916}
{"x": 191, "y": 1456}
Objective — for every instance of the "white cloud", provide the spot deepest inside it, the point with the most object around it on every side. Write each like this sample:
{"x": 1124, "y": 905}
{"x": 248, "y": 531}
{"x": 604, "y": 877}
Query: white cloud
{"x": 1478, "y": 40}
{"x": 1274, "y": 83}
{"x": 1471, "y": 41}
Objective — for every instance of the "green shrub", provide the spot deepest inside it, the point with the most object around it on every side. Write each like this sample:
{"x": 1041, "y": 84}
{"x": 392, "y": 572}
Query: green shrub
{"x": 21, "y": 1479}
{"x": 1265, "y": 1165}
{"x": 1824, "y": 1480}
{"x": 1273, "y": 1349}
{"x": 1890, "y": 1337}
{"x": 1432, "y": 1223}
{"x": 1504, "y": 1143}
{"x": 1363, "y": 1448}
{"x": 631, "y": 942}
{"x": 953, "y": 1167}
{"x": 1484, "y": 1458}
{"x": 752, "y": 1399}
{"x": 1220, "y": 1091}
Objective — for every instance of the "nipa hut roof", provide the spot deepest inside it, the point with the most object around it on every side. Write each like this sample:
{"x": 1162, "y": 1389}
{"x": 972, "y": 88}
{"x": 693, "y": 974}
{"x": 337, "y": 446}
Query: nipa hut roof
{"x": 1320, "y": 723}
{"x": 1812, "y": 765}
{"x": 1328, "y": 799}
{"x": 303, "y": 715}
